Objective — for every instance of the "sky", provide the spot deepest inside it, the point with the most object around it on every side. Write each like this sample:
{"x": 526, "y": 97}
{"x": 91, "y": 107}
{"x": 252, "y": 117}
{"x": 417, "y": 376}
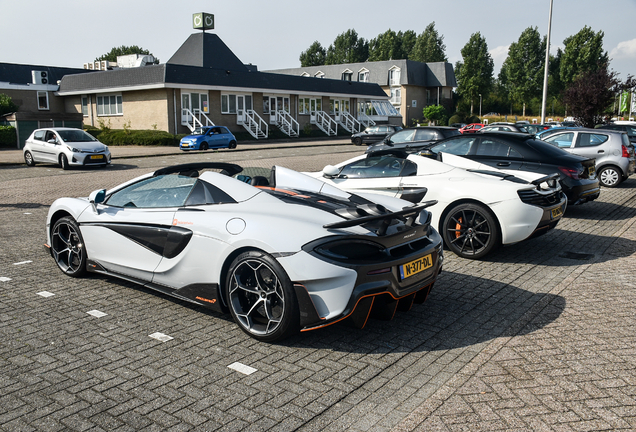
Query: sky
{"x": 272, "y": 34}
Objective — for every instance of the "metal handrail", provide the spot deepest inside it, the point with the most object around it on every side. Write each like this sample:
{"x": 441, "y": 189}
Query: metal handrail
{"x": 289, "y": 124}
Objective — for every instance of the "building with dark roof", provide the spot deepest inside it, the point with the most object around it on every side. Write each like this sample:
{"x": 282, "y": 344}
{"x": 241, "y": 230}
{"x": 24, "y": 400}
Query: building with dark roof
{"x": 410, "y": 85}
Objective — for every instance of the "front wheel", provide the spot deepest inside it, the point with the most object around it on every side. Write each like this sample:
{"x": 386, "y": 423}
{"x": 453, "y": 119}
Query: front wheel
{"x": 261, "y": 297}
{"x": 204, "y": 146}
{"x": 64, "y": 162}
{"x": 357, "y": 141}
{"x": 67, "y": 247}
{"x": 609, "y": 176}
{"x": 28, "y": 158}
{"x": 471, "y": 231}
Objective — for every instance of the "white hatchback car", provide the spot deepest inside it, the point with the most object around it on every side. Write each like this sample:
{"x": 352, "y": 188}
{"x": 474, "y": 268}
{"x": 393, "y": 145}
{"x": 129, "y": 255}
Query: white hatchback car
{"x": 65, "y": 146}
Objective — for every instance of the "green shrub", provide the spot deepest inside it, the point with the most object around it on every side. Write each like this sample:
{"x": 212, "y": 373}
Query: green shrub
{"x": 8, "y": 137}
{"x": 473, "y": 119}
{"x": 119, "y": 137}
{"x": 456, "y": 119}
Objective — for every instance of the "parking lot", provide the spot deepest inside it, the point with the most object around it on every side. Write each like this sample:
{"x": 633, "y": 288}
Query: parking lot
{"x": 539, "y": 336}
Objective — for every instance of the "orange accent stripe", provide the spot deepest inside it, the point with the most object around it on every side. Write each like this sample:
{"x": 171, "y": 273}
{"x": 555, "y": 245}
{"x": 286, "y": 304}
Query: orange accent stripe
{"x": 47, "y": 246}
{"x": 395, "y": 308}
{"x": 354, "y": 308}
{"x": 368, "y": 313}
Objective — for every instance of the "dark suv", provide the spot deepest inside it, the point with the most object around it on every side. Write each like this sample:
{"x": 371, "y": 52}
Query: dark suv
{"x": 373, "y": 134}
{"x": 413, "y": 138}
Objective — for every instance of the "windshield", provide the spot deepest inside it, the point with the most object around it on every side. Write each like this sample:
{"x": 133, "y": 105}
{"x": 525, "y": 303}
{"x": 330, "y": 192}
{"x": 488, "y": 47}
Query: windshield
{"x": 75, "y": 136}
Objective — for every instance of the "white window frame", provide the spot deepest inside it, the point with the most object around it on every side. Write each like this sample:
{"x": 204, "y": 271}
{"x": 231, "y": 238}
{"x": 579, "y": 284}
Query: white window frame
{"x": 115, "y": 105}
{"x": 396, "y": 95}
{"x": 394, "y": 75}
{"x": 45, "y": 96}
{"x": 347, "y": 75}
{"x": 229, "y": 97}
{"x": 363, "y": 75}
{"x": 305, "y": 74}
{"x": 84, "y": 105}
{"x": 304, "y": 104}
{"x": 319, "y": 74}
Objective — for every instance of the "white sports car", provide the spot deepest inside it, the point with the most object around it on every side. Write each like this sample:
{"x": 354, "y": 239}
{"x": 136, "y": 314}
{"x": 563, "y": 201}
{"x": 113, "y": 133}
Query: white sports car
{"x": 278, "y": 258}
{"x": 478, "y": 207}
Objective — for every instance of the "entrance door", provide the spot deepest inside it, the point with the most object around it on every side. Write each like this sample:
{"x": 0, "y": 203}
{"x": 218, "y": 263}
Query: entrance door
{"x": 186, "y": 117}
{"x": 312, "y": 110}
{"x": 240, "y": 109}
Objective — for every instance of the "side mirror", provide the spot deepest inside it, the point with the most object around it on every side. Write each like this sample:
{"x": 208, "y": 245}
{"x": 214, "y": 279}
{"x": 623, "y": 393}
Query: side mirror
{"x": 330, "y": 171}
{"x": 97, "y": 197}
{"x": 427, "y": 153}
{"x": 52, "y": 141}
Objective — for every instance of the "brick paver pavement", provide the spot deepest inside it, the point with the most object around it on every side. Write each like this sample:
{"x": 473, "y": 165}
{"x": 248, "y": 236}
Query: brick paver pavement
{"x": 539, "y": 336}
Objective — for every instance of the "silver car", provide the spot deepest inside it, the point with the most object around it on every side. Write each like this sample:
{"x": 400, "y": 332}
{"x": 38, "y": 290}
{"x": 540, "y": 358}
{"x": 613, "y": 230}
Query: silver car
{"x": 612, "y": 150}
{"x": 65, "y": 146}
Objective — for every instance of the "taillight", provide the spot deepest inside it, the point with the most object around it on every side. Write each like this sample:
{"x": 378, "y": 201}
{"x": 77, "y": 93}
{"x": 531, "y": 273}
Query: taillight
{"x": 570, "y": 172}
{"x": 625, "y": 152}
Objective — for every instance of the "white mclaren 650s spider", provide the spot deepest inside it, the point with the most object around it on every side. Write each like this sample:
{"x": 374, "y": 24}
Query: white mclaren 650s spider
{"x": 282, "y": 251}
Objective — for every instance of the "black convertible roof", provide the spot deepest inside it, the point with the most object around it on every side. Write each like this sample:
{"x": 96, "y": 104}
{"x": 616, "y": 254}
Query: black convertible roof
{"x": 228, "y": 169}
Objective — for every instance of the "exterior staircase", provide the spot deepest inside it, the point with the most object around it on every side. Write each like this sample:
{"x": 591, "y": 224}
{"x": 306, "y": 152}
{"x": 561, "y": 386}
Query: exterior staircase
{"x": 196, "y": 119}
{"x": 325, "y": 123}
{"x": 349, "y": 122}
{"x": 287, "y": 124}
{"x": 255, "y": 125}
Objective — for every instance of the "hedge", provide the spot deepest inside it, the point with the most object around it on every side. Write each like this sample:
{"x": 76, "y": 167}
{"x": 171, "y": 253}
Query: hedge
{"x": 8, "y": 136}
{"x": 120, "y": 137}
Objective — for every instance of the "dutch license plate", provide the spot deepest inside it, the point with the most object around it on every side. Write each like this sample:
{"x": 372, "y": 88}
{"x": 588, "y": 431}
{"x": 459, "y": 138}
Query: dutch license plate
{"x": 416, "y": 266}
{"x": 97, "y": 157}
{"x": 557, "y": 212}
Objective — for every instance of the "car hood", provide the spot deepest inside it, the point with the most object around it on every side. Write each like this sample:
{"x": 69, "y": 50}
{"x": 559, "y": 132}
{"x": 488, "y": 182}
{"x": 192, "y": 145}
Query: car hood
{"x": 87, "y": 146}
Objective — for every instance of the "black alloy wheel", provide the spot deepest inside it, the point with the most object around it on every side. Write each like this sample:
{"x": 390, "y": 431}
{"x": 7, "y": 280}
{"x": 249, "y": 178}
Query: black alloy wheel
{"x": 204, "y": 146}
{"x": 357, "y": 141}
{"x": 232, "y": 145}
{"x": 471, "y": 231}
{"x": 261, "y": 297}
{"x": 67, "y": 247}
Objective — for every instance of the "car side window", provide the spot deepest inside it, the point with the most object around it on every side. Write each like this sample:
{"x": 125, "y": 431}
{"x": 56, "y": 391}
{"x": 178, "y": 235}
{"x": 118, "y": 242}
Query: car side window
{"x": 590, "y": 139}
{"x": 39, "y": 135}
{"x": 50, "y": 135}
{"x": 488, "y": 147}
{"x": 155, "y": 192}
{"x": 403, "y": 136}
{"x": 459, "y": 146}
{"x": 374, "y": 167}
{"x": 425, "y": 135}
{"x": 563, "y": 140}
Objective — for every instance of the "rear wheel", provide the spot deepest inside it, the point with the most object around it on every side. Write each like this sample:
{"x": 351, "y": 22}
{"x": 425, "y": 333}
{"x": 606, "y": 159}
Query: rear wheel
{"x": 67, "y": 247}
{"x": 64, "y": 162}
{"x": 28, "y": 158}
{"x": 232, "y": 145}
{"x": 471, "y": 231}
{"x": 610, "y": 176}
{"x": 261, "y": 297}
{"x": 204, "y": 146}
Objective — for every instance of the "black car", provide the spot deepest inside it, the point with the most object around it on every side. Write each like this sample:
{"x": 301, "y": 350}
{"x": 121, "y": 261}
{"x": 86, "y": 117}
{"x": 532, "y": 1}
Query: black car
{"x": 517, "y": 151}
{"x": 374, "y": 134}
{"x": 628, "y": 127}
{"x": 414, "y": 138}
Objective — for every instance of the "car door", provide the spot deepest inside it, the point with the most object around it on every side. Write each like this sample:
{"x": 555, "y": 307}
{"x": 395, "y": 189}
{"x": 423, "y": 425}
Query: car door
{"x": 127, "y": 233}
{"x": 36, "y": 144}
{"x": 591, "y": 145}
{"x": 51, "y": 146}
{"x": 376, "y": 174}
{"x": 498, "y": 154}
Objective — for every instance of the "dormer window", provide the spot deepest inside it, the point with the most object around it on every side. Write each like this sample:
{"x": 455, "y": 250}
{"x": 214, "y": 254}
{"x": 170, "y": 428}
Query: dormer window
{"x": 363, "y": 75}
{"x": 305, "y": 74}
{"x": 394, "y": 76}
{"x": 347, "y": 75}
{"x": 319, "y": 74}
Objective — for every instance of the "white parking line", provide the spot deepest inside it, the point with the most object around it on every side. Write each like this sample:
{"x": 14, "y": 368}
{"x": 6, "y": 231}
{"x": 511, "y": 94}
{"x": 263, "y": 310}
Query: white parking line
{"x": 28, "y": 213}
{"x": 161, "y": 337}
{"x": 244, "y": 369}
{"x": 97, "y": 313}
{"x": 23, "y": 262}
{"x": 45, "y": 294}
{"x": 4, "y": 279}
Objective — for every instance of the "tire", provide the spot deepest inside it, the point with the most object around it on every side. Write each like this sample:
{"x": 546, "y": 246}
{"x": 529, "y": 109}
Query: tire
{"x": 28, "y": 158}
{"x": 471, "y": 231}
{"x": 64, "y": 162}
{"x": 255, "y": 277}
{"x": 203, "y": 146}
{"x": 67, "y": 247}
{"x": 610, "y": 176}
{"x": 232, "y": 145}
{"x": 357, "y": 141}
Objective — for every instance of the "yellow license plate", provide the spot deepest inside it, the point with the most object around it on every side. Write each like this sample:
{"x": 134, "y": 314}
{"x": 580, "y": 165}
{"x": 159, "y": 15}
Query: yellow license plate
{"x": 416, "y": 266}
{"x": 96, "y": 156}
{"x": 557, "y": 212}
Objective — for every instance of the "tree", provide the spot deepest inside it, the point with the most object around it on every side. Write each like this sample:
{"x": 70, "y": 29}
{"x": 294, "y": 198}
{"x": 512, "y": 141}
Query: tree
{"x": 387, "y": 46}
{"x": 591, "y": 94}
{"x": 434, "y": 113}
{"x": 124, "y": 50}
{"x": 7, "y": 105}
{"x": 409, "y": 38}
{"x": 522, "y": 71}
{"x": 475, "y": 74}
{"x": 314, "y": 56}
{"x": 347, "y": 48}
{"x": 429, "y": 46}
{"x": 583, "y": 53}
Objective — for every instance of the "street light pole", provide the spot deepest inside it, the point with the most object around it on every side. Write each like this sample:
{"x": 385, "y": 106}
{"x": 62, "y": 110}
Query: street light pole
{"x": 545, "y": 73}
{"x": 480, "y": 107}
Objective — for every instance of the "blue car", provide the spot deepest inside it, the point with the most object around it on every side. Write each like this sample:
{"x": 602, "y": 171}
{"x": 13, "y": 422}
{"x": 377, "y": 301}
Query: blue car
{"x": 208, "y": 137}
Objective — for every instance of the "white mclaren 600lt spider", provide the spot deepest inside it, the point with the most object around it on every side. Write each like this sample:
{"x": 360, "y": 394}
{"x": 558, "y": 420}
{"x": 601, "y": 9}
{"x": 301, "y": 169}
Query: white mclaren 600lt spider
{"x": 279, "y": 258}
{"x": 478, "y": 207}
